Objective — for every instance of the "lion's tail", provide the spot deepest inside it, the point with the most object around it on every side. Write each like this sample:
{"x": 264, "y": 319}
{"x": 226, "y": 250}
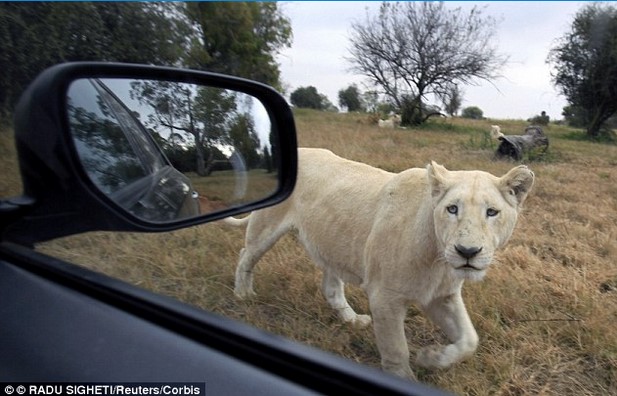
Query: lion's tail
{"x": 232, "y": 221}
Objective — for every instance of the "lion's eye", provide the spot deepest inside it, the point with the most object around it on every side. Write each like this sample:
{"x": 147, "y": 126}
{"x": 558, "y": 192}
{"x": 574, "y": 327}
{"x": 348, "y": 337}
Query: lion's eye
{"x": 452, "y": 209}
{"x": 490, "y": 212}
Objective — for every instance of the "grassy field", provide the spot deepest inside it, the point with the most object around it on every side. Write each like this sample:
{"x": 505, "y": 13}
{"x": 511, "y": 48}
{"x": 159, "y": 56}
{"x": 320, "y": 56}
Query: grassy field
{"x": 223, "y": 189}
{"x": 546, "y": 313}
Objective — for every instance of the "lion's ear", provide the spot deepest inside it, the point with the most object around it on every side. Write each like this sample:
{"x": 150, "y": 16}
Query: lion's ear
{"x": 517, "y": 183}
{"x": 437, "y": 175}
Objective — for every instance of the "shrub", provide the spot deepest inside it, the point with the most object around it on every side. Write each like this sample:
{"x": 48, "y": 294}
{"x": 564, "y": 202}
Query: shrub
{"x": 473, "y": 112}
{"x": 542, "y": 119}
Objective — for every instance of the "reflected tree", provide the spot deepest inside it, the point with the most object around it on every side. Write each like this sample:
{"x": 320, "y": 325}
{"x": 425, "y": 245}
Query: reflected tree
{"x": 215, "y": 121}
{"x": 177, "y": 109}
{"x": 244, "y": 139}
{"x": 215, "y": 108}
{"x": 106, "y": 154}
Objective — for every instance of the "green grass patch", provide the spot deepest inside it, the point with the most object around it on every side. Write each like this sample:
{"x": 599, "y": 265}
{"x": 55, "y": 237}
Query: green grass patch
{"x": 581, "y": 136}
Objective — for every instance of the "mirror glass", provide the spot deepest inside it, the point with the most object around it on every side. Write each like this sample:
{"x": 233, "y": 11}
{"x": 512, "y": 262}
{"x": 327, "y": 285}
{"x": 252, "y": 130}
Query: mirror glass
{"x": 166, "y": 150}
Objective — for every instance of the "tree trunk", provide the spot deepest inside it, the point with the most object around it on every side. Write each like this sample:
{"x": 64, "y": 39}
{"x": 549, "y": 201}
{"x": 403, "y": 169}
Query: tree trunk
{"x": 600, "y": 114}
{"x": 209, "y": 164}
{"x": 201, "y": 162}
{"x": 199, "y": 153}
{"x": 594, "y": 128}
{"x": 411, "y": 112}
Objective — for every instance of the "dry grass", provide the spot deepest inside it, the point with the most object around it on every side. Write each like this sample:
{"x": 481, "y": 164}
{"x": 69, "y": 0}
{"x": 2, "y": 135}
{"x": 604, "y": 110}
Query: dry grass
{"x": 546, "y": 313}
{"x": 10, "y": 181}
{"x": 225, "y": 188}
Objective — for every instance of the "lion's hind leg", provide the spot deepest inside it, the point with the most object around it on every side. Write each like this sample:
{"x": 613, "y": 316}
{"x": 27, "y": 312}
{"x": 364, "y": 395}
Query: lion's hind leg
{"x": 334, "y": 290}
{"x": 450, "y": 315}
{"x": 260, "y": 237}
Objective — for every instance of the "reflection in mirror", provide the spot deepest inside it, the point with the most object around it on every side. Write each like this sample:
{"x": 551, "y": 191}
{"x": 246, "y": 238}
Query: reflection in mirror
{"x": 165, "y": 150}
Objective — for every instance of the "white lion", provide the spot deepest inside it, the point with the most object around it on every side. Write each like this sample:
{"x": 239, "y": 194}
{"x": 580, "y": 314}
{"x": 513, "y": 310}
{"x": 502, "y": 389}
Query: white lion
{"x": 496, "y": 132}
{"x": 415, "y": 236}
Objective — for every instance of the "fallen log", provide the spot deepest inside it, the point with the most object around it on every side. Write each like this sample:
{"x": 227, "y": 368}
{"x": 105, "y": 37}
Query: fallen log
{"x": 514, "y": 146}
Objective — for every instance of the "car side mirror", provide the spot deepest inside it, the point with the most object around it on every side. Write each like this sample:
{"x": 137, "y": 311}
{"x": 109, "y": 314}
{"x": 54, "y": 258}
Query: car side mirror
{"x": 167, "y": 150}
{"x": 121, "y": 147}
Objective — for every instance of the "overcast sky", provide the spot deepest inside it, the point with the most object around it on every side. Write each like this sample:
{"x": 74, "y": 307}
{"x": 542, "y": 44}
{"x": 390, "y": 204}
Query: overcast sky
{"x": 526, "y": 31}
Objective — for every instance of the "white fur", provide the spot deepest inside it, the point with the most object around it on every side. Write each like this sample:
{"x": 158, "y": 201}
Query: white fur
{"x": 395, "y": 235}
{"x": 496, "y": 132}
{"x": 392, "y": 122}
{"x": 385, "y": 124}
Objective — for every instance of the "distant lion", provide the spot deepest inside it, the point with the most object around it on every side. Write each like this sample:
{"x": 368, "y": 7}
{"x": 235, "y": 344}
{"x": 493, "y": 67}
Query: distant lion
{"x": 415, "y": 236}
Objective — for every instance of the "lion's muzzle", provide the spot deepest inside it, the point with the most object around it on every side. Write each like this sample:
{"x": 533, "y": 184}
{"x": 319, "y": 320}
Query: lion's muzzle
{"x": 470, "y": 262}
{"x": 467, "y": 252}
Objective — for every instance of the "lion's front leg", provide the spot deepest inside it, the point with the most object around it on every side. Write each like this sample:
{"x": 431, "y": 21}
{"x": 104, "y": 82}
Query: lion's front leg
{"x": 388, "y": 322}
{"x": 450, "y": 315}
{"x": 334, "y": 290}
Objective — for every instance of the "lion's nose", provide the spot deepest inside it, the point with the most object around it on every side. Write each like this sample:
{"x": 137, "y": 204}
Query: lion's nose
{"x": 467, "y": 252}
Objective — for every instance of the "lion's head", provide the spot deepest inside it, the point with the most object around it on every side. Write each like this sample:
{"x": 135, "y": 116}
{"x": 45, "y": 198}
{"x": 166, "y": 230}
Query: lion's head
{"x": 475, "y": 214}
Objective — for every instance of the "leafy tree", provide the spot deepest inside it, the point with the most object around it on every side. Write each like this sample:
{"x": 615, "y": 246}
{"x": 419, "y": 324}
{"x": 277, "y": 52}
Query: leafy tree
{"x": 473, "y": 112}
{"x": 232, "y": 38}
{"x": 105, "y": 151}
{"x": 267, "y": 160}
{"x": 327, "y": 105}
{"x": 452, "y": 100}
{"x": 36, "y": 35}
{"x": 239, "y": 38}
{"x": 203, "y": 115}
{"x": 585, "y": 62}
{"x": 309, "y": 97}
{"x": 574, "y": 116}
{"x": 245, "y": 140}
{"x": 153, "y": 33}
{"x": 350, "y": 98}
{"x": 416, "y": 49}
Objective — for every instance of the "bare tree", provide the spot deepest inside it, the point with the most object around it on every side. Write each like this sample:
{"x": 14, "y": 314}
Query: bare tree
{"x": 414, "y": 50}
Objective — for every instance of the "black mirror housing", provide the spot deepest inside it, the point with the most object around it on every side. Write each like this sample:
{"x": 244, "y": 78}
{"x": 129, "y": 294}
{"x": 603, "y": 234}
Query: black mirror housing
{"x": 59, "y": 197}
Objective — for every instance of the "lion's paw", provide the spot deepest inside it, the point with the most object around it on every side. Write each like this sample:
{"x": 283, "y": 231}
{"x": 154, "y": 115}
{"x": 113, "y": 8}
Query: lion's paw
{"x": 361, "y": 321}
{"x": 435, "y": 356}
{"x": 244, "y": 294}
